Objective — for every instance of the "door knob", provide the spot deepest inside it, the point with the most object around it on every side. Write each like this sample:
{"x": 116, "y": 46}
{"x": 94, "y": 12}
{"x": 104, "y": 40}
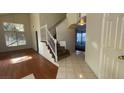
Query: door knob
{"x": 121, "y": 57}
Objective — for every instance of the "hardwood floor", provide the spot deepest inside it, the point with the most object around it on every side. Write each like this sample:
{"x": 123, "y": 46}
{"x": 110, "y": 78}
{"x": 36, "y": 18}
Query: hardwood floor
{"x": 20, "y": 63}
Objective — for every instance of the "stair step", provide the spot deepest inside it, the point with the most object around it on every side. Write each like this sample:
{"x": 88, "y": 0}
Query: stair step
{"x": 61, "y": 51}
{"x": 63, "y": 56}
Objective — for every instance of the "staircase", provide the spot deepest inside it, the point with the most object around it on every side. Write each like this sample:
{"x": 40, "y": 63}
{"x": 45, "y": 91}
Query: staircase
{"x": 50, "y": 48}
{"x": 62, "y": 52}
{"x": 46, "y": 52}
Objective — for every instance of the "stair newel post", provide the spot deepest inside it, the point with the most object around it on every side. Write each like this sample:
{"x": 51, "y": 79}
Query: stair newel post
{"x": 56, "y": 56}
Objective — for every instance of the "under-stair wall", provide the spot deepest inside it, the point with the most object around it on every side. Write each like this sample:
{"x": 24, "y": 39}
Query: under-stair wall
{"x": 45, "y": 52}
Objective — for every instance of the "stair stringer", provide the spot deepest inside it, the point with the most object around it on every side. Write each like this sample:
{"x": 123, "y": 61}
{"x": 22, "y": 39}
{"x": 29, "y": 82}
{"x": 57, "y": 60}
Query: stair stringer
{"x": 45, "y": 52}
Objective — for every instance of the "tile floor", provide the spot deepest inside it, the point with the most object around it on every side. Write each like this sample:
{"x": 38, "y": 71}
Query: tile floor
{"x": 74, "y": 67}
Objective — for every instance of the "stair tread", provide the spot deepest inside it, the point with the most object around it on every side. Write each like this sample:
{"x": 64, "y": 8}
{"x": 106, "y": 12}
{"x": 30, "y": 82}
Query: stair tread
{"x": 64, "y": 53}
{"x": 64, "y": 56}
{"x": 61, "y": 51}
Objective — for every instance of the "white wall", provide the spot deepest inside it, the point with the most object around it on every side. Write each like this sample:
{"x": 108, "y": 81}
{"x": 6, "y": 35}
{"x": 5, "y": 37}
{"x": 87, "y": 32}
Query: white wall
{"x": 15, "y": 18}
{"x": 83, "y": 14}
{"x": 51, "y": 18}
{"x": 72, "y": 18}
{"x": 66, "y": 34}
{"x": 94, "y": 24}
{"x": 34, "y": 26}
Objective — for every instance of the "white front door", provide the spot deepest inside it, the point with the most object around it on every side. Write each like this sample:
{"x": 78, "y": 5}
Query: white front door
{"x": 112, "y": 63}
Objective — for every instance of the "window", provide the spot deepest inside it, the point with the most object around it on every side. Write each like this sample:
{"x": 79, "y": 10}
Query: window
{"x": 14, "y": 34}
{"x": 19, "y": 27}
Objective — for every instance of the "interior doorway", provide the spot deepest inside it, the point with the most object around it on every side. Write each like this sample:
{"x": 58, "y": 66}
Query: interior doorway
{"x": 80, "y": 41}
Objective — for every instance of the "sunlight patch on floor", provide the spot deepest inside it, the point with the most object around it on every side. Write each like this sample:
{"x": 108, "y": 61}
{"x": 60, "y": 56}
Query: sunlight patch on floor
{"x": 20, "y": 59}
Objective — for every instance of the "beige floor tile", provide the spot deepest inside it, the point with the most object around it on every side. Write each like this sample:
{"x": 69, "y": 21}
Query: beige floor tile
{"x": 74, "y": 67}
{"x": 61, "y": 75}
{"x": 89, "y": 75}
